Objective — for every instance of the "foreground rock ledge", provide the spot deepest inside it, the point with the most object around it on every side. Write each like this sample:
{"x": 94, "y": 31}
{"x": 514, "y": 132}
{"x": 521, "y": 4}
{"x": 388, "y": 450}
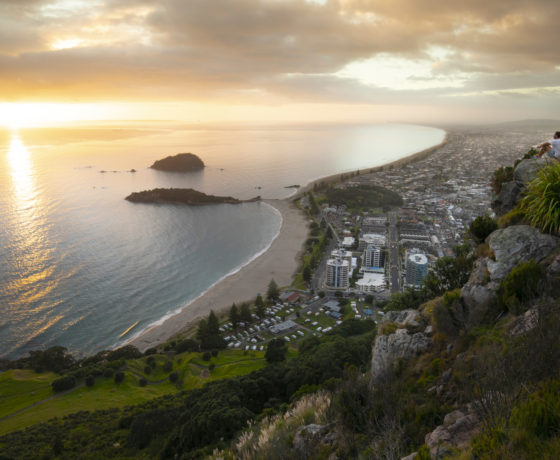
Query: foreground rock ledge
{"x": 186, "y": 196}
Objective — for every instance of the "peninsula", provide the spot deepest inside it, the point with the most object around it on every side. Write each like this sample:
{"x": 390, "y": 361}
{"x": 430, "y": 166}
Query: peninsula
{"x": 182, "y": 162}
{"x": 186, "y": 196}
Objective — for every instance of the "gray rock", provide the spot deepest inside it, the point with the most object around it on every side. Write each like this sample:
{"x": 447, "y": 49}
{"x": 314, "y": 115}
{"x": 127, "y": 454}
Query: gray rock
{"x": 388, "y": 350}
{"x": 552, "y": 276}
{"x": 527, "y": 170}
{"x": 525, "y": 323}
{"x": 508, "y": 197}
{"x": 402, "y": 318}
{"x": 412, "y": 456}
{"x": 517, "y": 244}
{"x": 457, "y": 430}
{"x": 306, "y": 437}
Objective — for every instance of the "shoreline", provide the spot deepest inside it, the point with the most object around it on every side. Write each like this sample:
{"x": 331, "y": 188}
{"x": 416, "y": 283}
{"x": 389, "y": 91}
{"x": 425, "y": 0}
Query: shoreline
{"x": 400, "y": 162}
{"x": 279, "y": 262}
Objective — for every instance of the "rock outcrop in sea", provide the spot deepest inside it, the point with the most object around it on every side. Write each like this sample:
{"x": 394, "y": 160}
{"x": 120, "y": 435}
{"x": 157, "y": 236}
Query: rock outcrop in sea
{"x": 182, "y": 162}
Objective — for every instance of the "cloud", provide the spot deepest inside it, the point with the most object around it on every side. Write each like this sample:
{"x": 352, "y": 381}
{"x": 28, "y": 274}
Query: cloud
{"x": 274, "y": 50}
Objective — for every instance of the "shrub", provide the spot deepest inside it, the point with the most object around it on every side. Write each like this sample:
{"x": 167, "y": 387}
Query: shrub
{"x": 540, "y": 414}
{"x": 500, "y": 177}
{"x": 108, "y": 373}
{"x": 211, "y": 367}
{"x": 541, "y": 202}
{"x": 515, "y": 216}
{"x": 168, "y": 366}
{"x": 63, "y": 383}
{"x": 481, "y": 227}
{"x": 142, "y": 382}
{"x": 206, "y": 356}
{"x": 519, "y": 286}
{"x": 147, "y": 370}
{"x": 187, "y": 345}
{"x": 173, "y": 377}
{"x": 90, "y": 380}
{"x": 119, "y": 377}
{"x": 126, "y": 352}
{"x": 215, "y": 353}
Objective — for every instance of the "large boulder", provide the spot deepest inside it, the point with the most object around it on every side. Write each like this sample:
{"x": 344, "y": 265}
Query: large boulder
{"x": 478, "y": 293}
{"x": 527, "y": 170}
{"x": 507, "y": 199}
{"x": 402, "y": 318}
{"x": 389, "y": 350}
{"x": 457, "y": 430}
{"x": 517, "y": 244}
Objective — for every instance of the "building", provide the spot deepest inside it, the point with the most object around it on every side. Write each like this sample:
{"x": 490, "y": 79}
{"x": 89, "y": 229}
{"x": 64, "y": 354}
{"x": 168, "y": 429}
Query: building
{"x": 373, "y": 258}
{"x": 416, "y": 268}
{"x": 283, "y": 327}
{"x": 371, "y": 282}
{"x": 371, "y": 238}
{"x": 344, "y": 255}
{"x": 337, "y": 273}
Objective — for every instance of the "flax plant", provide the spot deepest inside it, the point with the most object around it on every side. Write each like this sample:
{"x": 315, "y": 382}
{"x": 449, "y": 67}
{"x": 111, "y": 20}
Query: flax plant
{"x": 541, "y": 202}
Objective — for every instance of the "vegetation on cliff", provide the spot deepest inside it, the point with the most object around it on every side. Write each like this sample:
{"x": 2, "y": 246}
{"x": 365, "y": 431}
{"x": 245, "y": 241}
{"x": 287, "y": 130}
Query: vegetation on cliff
{"x": 182, "y": 162}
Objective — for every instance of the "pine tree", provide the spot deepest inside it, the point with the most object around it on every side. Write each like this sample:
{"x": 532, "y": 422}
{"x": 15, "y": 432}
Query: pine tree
{"x": 259, "y": 306}
{"x": 246, "y": 313}
{"x": 234, "y": 316}
{"x": 213, "y": 324}
{"x": 272, "y": 294}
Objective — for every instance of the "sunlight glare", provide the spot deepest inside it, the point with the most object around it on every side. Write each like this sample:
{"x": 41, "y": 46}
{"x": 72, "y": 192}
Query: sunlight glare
{"x": 21, "y": 171}
{"x": 39, "y": 114}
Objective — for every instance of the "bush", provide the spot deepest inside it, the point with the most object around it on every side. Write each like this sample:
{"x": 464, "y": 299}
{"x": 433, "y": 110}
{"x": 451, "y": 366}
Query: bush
{"x": 187, "y": 345}
{"x": 206, "y": 356}
{"x": 500, "y": 177}
{"x": 276, "y": 351}
{"x": 90, "y": 380}
{"x": 541, "y": 202}
{"x": 63, "y": 383}
{"x": 519, "y": 286}
{"x": 173, "y": 377}
{"x": 108, "y": 373}
{"x": 142, "y": 382}
{"x": 126, "y": 352}
{"x": 168, "y": 366}
{"x": 481, "y": 227}
{"x": 211, "y": 367}
{"x": 147, "y": 370}
{"x": 215, "y": 353}
{"x": 119, "y": 377}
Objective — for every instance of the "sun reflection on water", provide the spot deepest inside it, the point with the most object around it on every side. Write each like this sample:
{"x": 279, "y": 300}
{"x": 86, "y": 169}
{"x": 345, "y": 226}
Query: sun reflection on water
{"x": 21, "y": 170}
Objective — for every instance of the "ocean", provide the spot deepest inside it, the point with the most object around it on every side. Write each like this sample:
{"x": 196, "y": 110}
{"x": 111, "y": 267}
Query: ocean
{"x": 83, "y": 268}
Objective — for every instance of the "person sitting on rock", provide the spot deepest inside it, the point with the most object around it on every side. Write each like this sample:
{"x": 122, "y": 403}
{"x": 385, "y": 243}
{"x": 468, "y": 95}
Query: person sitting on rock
{"x": 552, "y": 147}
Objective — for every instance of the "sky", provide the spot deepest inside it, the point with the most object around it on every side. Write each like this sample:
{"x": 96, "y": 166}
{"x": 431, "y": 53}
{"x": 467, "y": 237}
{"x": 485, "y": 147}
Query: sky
{"x": 428, "y": 61}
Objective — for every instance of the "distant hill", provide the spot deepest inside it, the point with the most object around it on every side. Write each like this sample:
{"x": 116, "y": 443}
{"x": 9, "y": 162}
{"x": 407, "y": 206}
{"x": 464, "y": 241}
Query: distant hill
{"x": 182, "y": 162}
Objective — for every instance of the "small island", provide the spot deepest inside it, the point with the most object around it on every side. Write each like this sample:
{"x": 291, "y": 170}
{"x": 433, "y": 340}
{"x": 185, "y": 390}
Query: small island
{"x": 186, "y": 196}
{"x": 182, "y": 162}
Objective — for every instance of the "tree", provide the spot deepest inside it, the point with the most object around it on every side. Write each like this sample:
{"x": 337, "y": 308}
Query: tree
{"x": 246, "y": 313}
{"x": 213, "y": 323}
{"x": 307, "y": 274}
{"x": 273, "y": 293}
{"x": 119, "y": 377}
{"x": 260, "y": 308}
{"x": 234, "y": 316}
{"x": 276, "y": 351}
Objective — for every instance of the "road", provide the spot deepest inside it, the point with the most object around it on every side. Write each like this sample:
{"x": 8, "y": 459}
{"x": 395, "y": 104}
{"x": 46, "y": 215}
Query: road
{"x": 394, "y": 257}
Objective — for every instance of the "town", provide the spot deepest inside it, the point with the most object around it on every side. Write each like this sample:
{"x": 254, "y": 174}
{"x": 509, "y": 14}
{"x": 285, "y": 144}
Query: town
{"x": 376, "y": 251}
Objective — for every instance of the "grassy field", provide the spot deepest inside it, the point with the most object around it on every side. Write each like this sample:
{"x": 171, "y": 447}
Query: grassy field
{"x": 26, "y": 397}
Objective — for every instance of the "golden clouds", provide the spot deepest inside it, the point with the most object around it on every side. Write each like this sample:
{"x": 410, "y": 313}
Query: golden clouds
{"x": 259, "y": 51}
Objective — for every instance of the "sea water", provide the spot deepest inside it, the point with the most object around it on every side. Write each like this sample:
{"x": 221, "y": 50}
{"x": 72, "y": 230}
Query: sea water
{"x": 83, "y": 268}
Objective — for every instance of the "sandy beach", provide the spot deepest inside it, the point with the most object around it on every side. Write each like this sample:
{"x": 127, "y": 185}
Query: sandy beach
{"x": 279, "y": 263}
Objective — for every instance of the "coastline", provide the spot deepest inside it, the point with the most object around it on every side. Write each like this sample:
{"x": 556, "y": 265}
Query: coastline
{"x": 279, "y": 262}
{"x": 397, "y": 163}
